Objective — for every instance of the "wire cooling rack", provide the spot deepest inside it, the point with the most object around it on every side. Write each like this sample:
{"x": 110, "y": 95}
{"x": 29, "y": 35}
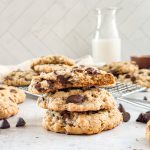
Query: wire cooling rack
{"x": 120, "y": 91}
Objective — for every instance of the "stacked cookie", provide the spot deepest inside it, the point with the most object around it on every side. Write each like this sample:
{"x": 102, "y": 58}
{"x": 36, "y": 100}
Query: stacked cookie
{"x": 74, "y": 105}
{"x": 129, "y": 72}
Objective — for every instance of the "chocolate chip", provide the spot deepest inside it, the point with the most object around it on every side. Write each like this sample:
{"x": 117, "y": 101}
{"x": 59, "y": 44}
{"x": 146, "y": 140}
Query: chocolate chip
{"x": 91, "y": 71}
{"x": 126, "y": 116}
{"x": 115, "y": 73}
{"x": 50, "y": 83}
{"x": 143, "y": 117}
{"x": 5, "y": 124}
{"x": 145, "y": 98}
{"x": 13, "y": 91}
{"x": 65, "y": 114}
{"x": 63, "y": 80}
{"x": 20, "y": 122}
{"x": 38, "y": 86}
{"x": 133, "y": 79}
{"x": 127, "y": 76}
{"x": 1, "y": 88}
{"x": 75, "y": 99}
{"x": 121, "y": 108}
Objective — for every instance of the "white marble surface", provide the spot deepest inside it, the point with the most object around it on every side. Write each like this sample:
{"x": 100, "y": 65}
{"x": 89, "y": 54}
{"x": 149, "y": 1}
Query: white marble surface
{"x": 128, "y": 136}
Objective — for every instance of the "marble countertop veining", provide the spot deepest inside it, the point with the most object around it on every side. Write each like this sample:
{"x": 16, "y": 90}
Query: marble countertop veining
{"x": 128, "y": 136}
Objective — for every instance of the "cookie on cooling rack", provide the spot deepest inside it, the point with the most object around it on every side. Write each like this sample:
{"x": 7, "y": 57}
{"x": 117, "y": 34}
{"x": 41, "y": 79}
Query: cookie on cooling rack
{"x": 117, "y": 68}
{"x": 19, "y": 78}
{"x": 51, "y": 63}
{"x": 141, "y": 77}
{"x": 82, "y": 123}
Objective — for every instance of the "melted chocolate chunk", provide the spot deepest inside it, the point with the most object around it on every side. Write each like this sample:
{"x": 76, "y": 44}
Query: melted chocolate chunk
{"x": 13, "y": 91}
{"x": 65, "y": 114}
{"x": 126, "y": 116}
{"x": 133, "y": 79}
{"x": 38, "y": 87}
{"x": 63, "y": 80}
{"x": 144, "y": 117}
{"x": 1, "y": 88}
{"x": 91, "y": 71}
{"x": 121, "y": 108}
{"x": 115, "y": 73}
{"x": 20, "y": 122}
{"x": 127, "y": 76}
{"x": 75, "y": 99}
{"x": 5, "y": 124}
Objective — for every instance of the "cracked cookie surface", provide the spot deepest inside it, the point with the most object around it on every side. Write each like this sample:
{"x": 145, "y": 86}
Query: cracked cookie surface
{"x": 19, "y": 78}
{"x": 78, "y": 76}
{"x": 78, "y": 100}
{"x": 82, "y": 123}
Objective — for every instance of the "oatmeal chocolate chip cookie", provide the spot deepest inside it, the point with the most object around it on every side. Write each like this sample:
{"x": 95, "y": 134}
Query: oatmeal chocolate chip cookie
{"x": 19, "y": 78}
{"x": 15, "y": 94}
{"x": 117, "y": 68}
{"x": 79, "y": 76}
{"x": 50, "y": 67}
{"x": 8, "y": 108}
{"x": 51, "y": 60}
{"x": 141, "y": 77}
{"x": 82, "y": 123}
{"x": 148, "y": 131}
{"x": 78, "y": 100}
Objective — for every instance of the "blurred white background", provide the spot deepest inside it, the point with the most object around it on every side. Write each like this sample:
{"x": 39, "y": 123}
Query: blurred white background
{"x": 31, "y": 28}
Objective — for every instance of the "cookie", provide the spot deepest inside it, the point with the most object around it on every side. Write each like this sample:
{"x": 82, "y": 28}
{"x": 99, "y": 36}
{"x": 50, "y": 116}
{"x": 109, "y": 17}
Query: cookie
{"x": 82, "y": 123}
{"x": 148, "y": 131}
{"x": 15, "y": 94}
{"x": 79, "y": 76}
{"x": 117, "y": 68}
{"x": 51, "y": 60}
{"x": 50, "y": 67}
{"x": 78, "y": 100}
{"x": 19, "y": 78}
{"x": 8, "y": 108}
{"x": 141, "y": 77}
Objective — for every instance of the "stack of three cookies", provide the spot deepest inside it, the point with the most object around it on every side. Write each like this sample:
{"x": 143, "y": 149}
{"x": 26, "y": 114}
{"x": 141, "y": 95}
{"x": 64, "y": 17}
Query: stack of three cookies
{"x": 75, "y": 105}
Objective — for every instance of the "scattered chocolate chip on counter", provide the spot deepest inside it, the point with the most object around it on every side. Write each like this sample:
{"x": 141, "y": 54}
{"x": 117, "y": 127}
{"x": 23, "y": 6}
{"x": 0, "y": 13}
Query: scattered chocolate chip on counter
{"x": 143, "y": 117}
{"x": 126, "y": 115}
{"x": 4, "y": 124}
{"x": 145, "y": 98}
{"x": 20, "y": 122}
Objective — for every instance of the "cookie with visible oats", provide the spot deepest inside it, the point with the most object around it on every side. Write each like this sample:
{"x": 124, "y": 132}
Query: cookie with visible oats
{"x": 8, "y": 108}
{"x": 16, "y": 95}
{"x": 141, "y": 77}
{"x": 19, "y": 78}
{"x": 78, "y": 100}
{"x": 76, "y": 77}
{"x": 148, "y": 131}
{"x": 117, "y": 68}
{"x": 82, "y": 123}
{"x": 51, "y": 63}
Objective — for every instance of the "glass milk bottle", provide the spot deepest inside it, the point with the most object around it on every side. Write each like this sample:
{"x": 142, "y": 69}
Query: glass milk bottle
{"x": 106, "y": 45}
